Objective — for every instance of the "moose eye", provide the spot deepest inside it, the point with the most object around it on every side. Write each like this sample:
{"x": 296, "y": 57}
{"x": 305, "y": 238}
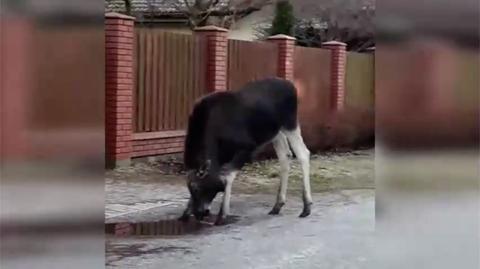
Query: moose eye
{"x": 200, "y": 174}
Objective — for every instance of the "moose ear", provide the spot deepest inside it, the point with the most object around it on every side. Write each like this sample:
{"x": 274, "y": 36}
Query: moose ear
{"x": 203, "y": 171}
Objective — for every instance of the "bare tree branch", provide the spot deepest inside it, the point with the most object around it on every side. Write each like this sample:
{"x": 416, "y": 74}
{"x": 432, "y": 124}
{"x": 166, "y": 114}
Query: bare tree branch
{"x": 186, "y": 4}
{"x": 349, "y": 21}
{"x": 199, "y": 12}
{"x": 202, "y": 10}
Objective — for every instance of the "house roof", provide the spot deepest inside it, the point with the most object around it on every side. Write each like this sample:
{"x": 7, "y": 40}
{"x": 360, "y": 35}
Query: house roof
{"x": 303, "y": 9}
{"x": 165, "y": 7}
{"x": 308, "y": 9}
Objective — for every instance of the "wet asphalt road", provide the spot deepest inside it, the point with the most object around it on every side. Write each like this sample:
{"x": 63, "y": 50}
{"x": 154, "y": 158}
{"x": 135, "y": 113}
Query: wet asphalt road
{"x": 338, "y": 234}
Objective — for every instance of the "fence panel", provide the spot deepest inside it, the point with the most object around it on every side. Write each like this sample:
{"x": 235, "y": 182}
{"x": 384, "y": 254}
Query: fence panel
{"x": 312, "y": 79}
{"x": 249, "y": 61}
{"x": 360, "y": 81}
{"x": 52, "y": 92}
{"x": 169, "y": 75}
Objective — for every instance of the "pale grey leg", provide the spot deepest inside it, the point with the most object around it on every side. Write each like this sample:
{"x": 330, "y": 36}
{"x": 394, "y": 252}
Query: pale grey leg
{"x": 282, "y": 149}
{"x": 303, "y": 155}
{"x": 225, "y": 207}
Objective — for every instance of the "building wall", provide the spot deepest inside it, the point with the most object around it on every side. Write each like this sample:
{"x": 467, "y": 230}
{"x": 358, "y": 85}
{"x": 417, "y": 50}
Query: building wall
{"x": 244, "y": 29}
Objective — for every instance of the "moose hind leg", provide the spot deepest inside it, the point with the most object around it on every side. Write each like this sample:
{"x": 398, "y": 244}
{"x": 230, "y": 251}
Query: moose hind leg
{"x": 303, "y": 155}
{"x": 282, "y": 150}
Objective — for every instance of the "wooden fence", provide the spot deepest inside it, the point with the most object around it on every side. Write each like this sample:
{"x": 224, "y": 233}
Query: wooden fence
{"x": 66, "y": 53}
{"x": 153, "y": 78}
{"x": 169, "y": 75}
{"x": 312, "y": 78}
{"x": 360, "y": 81}
{"x": 249, "y": 61}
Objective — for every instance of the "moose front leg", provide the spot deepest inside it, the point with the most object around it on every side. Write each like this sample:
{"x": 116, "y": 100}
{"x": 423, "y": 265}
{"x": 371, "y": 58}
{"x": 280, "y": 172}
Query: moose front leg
{"x": 225, "y": 206}
{"x": 232, "y": 169}
{"x": 187, "y": 212}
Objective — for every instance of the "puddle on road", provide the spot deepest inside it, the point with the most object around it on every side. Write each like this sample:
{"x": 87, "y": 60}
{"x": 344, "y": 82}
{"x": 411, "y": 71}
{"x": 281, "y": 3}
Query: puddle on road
{"x": 169, "y": 227}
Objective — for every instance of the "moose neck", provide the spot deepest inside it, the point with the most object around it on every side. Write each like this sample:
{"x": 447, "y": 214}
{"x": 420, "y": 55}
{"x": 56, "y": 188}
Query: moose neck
{"x": 211, "y": 156}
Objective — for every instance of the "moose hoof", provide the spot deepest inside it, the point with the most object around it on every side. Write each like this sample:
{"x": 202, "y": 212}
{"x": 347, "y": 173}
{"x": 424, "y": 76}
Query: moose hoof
{"x": 306, "y": 211}
{"x": 304, "y": 214}
{"x": 276, "y": 209}
{"x": 221, "y": 220}
{"x": 184, "y": 218}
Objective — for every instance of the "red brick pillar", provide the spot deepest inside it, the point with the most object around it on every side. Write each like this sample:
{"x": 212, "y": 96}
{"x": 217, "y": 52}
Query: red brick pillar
{"x": 217, "y": 46}
{"x": 286, "y": 47}
{"x": 338, "y": 67}
{"x": 119, "y": 88}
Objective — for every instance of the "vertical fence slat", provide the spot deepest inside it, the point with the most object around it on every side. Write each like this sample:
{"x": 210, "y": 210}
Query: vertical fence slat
{"x": 181, "y": 78}
{"x": 178, "y": 70}
{"x": 178, "y": 90}
{"x": 161, "y": 80}
{"x": 144, "y": 80}
{"x": 155, "y": 82}
{"x": 189, "y": 82}
{"x": 173, "y": 85}
{"x": 135, "y": 82}
{"x": 184, "y": 80}
{"x": 181, "y": 82}
{"x": 148, "y": 83}
{"x": 168, "y": 48}
{"x": 178, "y": 75}
{"x": 141, "y": 81}
{"x": 174, "y": 74}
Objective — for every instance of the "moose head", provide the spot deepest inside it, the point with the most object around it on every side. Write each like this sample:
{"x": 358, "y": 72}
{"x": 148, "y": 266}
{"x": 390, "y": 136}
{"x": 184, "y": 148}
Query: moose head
{"x": 204, "y": 184}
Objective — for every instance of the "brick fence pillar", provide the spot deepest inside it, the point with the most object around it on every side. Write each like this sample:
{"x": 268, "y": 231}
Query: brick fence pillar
{"x": 338, "y": 68}
{"x": 217, "y": 46}
{"x": 286, "y": 47}
{"x": 119, "y": 88}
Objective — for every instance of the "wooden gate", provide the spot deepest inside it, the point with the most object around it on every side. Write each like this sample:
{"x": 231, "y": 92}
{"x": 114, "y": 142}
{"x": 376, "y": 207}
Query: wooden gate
{"x": 312, "y": 79}
{"x": 312, "y": 76}
{"x": 360, "y": 81}
{"x": 248, "y": 61}
{"x": 169, "y": 75}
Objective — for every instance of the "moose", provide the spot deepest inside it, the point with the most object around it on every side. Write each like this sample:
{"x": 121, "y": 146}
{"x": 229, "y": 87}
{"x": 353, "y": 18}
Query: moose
{"x": 226, "y": 129}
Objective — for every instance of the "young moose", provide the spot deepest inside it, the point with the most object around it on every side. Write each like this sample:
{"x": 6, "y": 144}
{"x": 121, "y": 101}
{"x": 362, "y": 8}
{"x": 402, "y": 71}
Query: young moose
{"x": 225, "y": 129}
